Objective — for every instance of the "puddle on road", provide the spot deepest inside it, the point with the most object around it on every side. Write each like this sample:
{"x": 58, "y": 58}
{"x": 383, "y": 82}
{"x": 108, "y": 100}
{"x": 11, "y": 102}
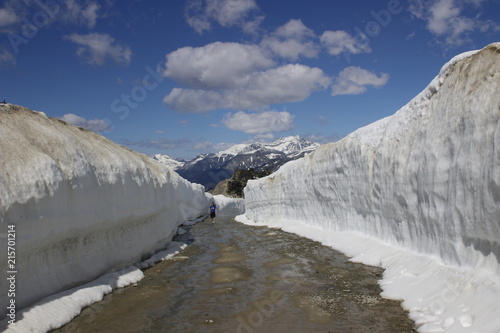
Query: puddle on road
{"x": 293, "y": 281}
{"x": 228, "y": 274}
{"x": 228, "y": 254}
{"x": 283, "y": 260}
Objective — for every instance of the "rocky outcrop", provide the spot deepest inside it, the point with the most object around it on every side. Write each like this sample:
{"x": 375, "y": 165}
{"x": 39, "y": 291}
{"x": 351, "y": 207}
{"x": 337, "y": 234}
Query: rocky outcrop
{"x": 233, "y": 187}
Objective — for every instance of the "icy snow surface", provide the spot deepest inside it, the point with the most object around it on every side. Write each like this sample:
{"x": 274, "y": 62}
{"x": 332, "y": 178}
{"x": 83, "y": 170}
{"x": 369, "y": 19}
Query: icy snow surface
{"x": 417, "y": 193}
{"x": 83, "y": 207}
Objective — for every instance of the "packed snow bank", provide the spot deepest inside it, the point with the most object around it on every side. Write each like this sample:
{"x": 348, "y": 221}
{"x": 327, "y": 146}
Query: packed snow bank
{"x": 80, "y": 205}
{"x": 229, "y": 207}
{"x": 417, "y": 193}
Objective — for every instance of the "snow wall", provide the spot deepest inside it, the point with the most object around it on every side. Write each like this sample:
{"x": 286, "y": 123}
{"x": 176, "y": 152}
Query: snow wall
{"x": 228, "y": 207}
{"x": 81, "y": 206}
{"x": 423, "y": 183}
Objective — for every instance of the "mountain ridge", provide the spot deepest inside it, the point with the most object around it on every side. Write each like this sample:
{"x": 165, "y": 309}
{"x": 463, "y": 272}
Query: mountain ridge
{"x": 210, "y": 169}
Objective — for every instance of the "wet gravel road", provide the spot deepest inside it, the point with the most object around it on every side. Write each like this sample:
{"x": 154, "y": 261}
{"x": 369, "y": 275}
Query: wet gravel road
{"x": 238, "y": 278}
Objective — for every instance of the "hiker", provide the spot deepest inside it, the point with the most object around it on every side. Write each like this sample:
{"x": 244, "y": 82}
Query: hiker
{"x": 213, "y": 211}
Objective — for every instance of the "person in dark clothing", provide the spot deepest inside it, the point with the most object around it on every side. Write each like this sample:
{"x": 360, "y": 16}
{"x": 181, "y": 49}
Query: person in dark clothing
{"x": 213, "y": 211}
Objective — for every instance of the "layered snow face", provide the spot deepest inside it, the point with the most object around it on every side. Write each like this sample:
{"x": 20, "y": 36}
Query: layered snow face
{"x": 81, "y": 205}
{"x": 426, "y": 179}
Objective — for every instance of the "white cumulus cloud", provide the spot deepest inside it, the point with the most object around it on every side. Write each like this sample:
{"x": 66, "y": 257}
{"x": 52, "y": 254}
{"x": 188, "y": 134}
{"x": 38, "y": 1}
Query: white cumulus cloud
{"x": 216, "y": 65}
{"x": 207, "y": 146}
{"x": 7, "y": 17}
{"x": 338, "y": 42}
{"x": 201, "y": 14}
{"x": 7, "y": 59}
{"x": 75, "y": 12}
{"x": 95, "y": 48}
{"x": 193, "y": 100}
{"x": 354, "y": 80}
{"x": 259, "y": 123}
{"x": 96, "y": 125}
{"x": 289, "y": 83}
{"x": 445, "y": 19}
{"x": 292, "y": 40}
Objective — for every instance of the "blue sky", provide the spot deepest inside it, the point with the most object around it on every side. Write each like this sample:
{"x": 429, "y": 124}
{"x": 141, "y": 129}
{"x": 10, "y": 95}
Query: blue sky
{"x": 184, "y": 77}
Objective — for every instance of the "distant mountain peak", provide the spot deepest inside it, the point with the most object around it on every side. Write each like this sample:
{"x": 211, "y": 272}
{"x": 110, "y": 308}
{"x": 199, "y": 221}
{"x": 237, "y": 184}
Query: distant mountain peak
{"x": 170, "y": 162}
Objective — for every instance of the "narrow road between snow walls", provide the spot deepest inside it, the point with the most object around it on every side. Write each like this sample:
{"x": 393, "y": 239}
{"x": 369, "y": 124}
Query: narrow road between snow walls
{"x": 238, "y": 278}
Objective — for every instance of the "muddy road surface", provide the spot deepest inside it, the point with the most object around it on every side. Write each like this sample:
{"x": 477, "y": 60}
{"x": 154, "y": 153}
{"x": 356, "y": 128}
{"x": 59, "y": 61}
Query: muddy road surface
{"x": 244, "y": 279}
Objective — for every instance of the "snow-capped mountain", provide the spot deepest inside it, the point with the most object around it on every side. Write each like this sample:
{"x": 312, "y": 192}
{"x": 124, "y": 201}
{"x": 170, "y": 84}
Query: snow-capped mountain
{"x": 293, "y": 146}
{"x": 210, "y": 169}
{"x": 171, "y": 162}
